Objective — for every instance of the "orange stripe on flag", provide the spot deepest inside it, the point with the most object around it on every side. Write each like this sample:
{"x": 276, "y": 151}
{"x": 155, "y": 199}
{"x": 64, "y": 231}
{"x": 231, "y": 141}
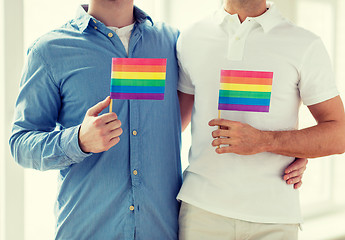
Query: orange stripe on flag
{"x": 139, "y": 68}
{"x": 244, "y": 80}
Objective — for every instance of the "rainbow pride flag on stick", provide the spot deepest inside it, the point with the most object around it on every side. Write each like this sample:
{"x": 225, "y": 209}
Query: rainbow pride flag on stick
{"x": 248, "y": 91}
{"x": 138, "y": 78}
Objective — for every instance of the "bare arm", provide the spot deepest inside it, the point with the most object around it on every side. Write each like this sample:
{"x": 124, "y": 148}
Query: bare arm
{"x": 186, "y": 107}
{"x": 326, "y": 138}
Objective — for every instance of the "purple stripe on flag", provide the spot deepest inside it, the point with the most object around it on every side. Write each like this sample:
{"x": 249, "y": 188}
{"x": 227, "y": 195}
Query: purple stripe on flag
{"x": 137, "y": 96}
{"x": 244, "y": 108}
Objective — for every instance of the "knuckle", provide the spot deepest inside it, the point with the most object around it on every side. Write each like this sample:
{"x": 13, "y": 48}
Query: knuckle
{"x": 103, "y": 132}
{"x": 114, "y": 115}
{"x": 97, "y": 122}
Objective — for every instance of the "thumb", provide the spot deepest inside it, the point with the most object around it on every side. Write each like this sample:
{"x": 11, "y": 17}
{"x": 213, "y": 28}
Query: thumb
{"x": 99, "y": 107}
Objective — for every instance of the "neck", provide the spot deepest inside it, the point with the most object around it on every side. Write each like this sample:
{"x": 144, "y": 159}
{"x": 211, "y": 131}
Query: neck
{"x": 245, "y": 8}
{"x": 113, "y": 13}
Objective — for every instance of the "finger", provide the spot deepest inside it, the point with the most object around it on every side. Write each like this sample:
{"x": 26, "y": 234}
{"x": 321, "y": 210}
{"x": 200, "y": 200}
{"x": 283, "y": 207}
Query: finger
{"x": 294, "y": 180}
{"x": 113, "y": 125}
{"x": 221, "y": 133}
{"x": 220, "y": 122}
{"x": 99, "y": 107}
{"x": 295, "y": 173}
{"x": 227, "y": 149}
{"x": 220, "y": 141}
{"x": 108, "y": 117}
{"x": 115, "y": 133}
{"x": 113, "y": 142}
{"x": 297, "y": 185}
{"x": 297, "y": 164}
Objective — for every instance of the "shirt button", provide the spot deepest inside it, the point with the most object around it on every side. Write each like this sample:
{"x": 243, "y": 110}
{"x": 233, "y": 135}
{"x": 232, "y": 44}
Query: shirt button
{"x": 135, "y": 133}
{"x": 110, "y": 35}
{"x": 131, "y": 208}
{"x": 95, "y": 28}
{"x": 135, "y": 172}
{"x": 237, "y": 38}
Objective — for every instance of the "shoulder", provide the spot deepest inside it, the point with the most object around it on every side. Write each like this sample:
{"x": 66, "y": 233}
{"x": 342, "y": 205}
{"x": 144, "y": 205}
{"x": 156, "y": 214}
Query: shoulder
{"x": 46, "y": 44}
{"x": 199, "y": 28}
{"x": 193, "y": 38}
{"x": 294, "y": 34}
{"x": 161, "y": 30}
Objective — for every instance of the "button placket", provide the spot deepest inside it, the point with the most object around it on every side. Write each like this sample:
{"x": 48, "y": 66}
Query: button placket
{"x": 237, "y": 43}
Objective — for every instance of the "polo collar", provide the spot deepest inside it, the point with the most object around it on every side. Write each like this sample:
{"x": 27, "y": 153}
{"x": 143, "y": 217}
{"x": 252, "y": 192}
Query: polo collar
{"x": 270, "y": 19}
{"x": 83, "y": 19}
{"x": 267, "y": 21}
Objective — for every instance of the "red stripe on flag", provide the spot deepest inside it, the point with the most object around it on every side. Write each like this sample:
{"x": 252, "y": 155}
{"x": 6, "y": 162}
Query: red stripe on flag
{"x": 139, "y": 61}
{"x": 246, "y": 74}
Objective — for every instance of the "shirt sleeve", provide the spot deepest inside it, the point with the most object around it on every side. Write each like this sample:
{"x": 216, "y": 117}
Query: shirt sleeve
{"x": 185, "y": 84}
{"x": 36, "y": 141}
{"x": 317, "y": 81}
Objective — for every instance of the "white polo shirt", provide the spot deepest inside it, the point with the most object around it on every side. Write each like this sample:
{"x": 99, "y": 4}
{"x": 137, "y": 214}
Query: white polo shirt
{"x": 249, "y": 188}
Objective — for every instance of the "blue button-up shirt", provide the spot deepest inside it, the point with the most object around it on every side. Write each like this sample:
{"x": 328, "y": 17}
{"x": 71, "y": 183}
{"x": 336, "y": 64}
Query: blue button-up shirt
{"x": 128, "y": 192}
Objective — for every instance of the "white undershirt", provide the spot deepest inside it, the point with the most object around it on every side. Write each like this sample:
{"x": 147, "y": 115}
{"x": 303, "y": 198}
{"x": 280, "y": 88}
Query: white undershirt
{"x": 124, "y": 34}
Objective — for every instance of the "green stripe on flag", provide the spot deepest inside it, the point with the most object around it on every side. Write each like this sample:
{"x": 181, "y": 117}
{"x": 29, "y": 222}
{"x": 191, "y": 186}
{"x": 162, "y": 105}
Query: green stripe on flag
{"x": 244, "y": 94}
{"x": 138, "y": 82}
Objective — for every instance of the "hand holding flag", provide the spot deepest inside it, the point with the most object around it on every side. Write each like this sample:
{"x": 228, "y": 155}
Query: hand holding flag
{"x": 99, "y": 133}
{"x": 244, "y": 91}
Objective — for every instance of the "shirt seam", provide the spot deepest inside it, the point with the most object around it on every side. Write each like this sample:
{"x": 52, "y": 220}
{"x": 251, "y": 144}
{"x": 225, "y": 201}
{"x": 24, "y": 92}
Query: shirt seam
{"x": 46, "y": 67}
{"x": 304, "y": 57}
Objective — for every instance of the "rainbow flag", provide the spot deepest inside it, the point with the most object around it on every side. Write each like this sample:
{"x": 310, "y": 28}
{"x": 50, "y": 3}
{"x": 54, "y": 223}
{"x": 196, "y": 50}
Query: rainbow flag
{"x": 248, "y": 91}
{"x": 138, "y": 78}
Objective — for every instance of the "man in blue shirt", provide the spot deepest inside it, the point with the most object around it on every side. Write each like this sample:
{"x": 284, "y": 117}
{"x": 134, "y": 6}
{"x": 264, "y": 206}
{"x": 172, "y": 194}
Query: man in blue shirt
{"x": 123, "y": 192}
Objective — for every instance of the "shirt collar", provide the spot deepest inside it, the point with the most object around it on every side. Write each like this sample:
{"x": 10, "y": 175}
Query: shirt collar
{"x": 83, "y": 19}
{"x": 268, "y": 20}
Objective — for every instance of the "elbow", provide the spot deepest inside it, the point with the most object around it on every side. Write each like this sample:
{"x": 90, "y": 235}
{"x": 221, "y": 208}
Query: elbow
{"x": 14, "y": 144}
{"x": 21, "y": 157}
{"x": 13, "y": 147}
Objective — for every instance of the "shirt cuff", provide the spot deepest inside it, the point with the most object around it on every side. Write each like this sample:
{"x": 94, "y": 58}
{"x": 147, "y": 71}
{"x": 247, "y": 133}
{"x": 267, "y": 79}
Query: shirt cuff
{"x": 70, "y": 145}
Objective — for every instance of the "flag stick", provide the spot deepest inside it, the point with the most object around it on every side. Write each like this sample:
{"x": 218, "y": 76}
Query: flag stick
{"x": 219, "y": 126}
{"x": 111, "y": 106}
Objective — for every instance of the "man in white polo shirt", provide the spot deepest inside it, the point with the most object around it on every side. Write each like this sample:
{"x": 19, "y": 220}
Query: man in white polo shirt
{"x": 236, "y": 191}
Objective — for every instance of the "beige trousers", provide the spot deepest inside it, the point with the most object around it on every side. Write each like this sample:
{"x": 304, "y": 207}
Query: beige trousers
{"x": 197, "y": 224}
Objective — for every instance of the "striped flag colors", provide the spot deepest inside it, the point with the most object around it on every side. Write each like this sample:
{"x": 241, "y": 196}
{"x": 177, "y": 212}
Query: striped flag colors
{"x": 248, "y": 91}
{"x": 138, "y": 78}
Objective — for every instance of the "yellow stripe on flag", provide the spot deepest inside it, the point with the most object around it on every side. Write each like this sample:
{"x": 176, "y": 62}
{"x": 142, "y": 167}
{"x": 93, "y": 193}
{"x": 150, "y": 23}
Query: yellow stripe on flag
{"x": 245, "y": 87}
{"x": 139, "y": 75}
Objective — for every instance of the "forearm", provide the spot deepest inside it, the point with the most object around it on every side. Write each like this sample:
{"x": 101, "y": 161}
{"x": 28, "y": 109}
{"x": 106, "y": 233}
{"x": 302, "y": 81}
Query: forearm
{"x": 186, "y": 107}
{"x": 46, "y": 150}
{"x": 321, "y": 140}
